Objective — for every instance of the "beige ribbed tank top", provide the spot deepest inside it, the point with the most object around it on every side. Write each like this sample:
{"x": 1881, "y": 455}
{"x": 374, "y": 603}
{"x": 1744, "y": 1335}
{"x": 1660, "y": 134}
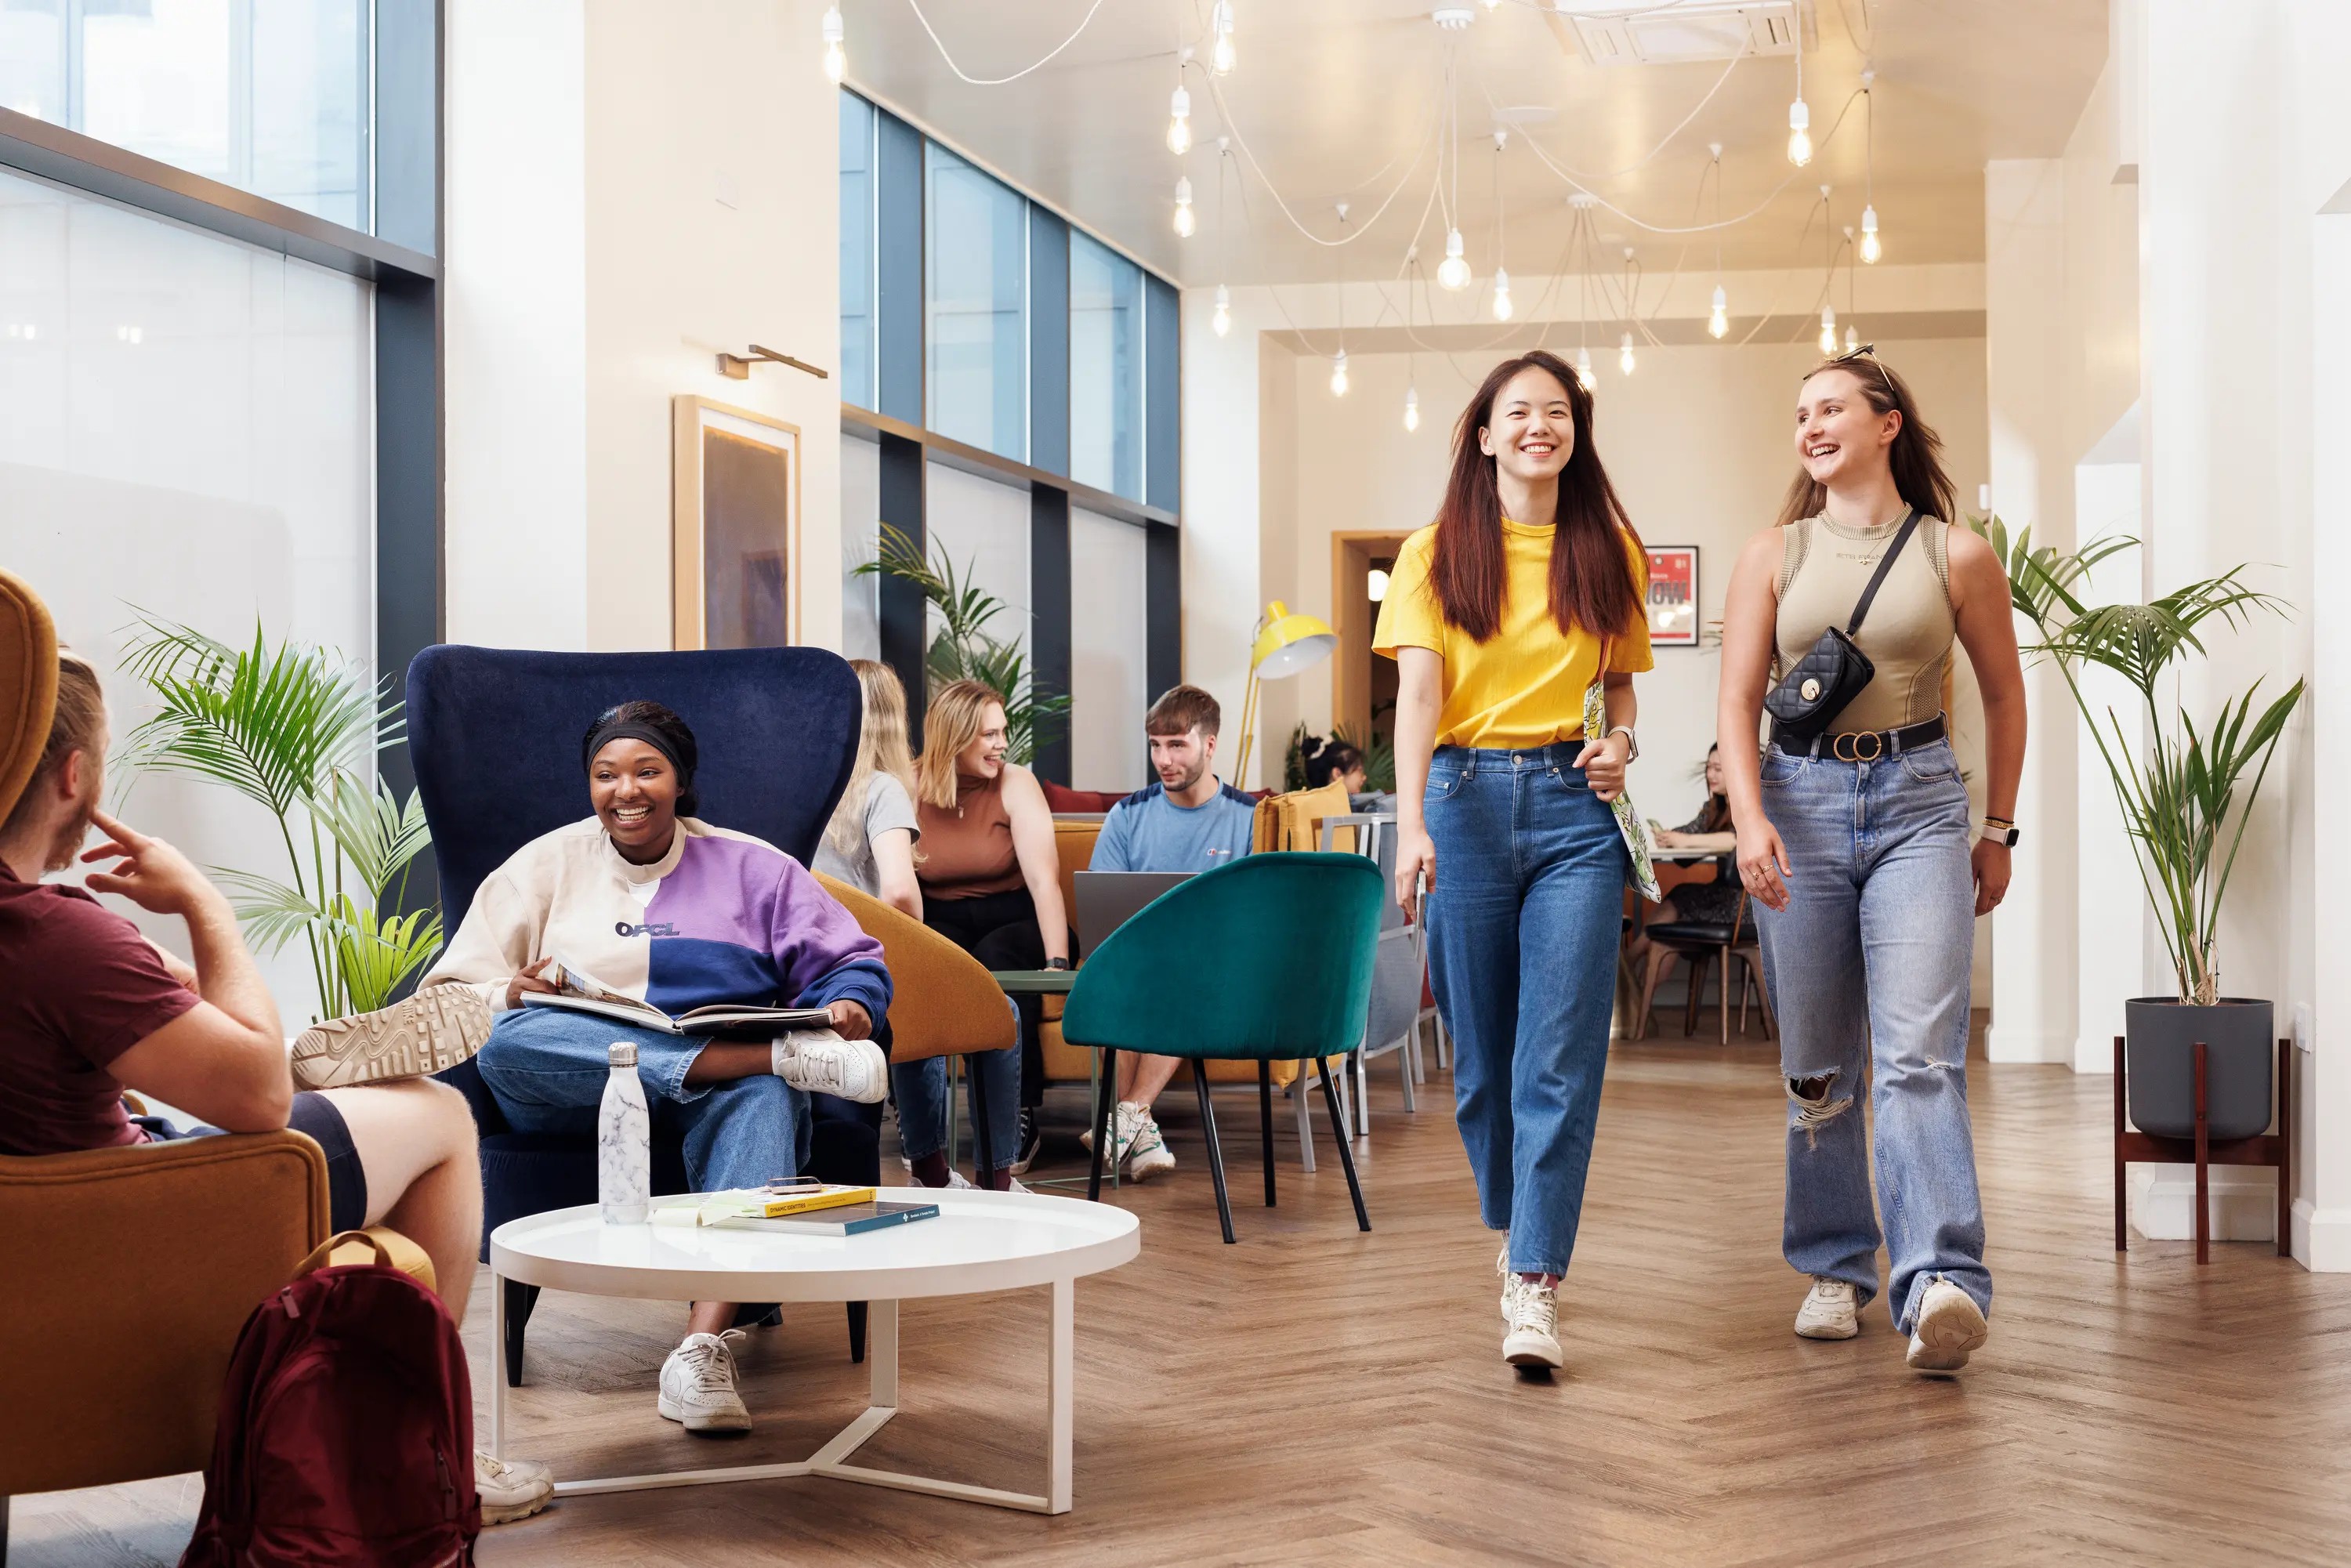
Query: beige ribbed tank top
{"x": 1824, "y": 567}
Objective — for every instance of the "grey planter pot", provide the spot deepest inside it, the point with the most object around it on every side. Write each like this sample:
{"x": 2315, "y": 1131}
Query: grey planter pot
{"x": 2239, "y": 1048}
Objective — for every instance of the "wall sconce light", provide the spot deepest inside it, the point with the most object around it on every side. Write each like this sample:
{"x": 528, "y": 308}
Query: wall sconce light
{"x": 737, "y": 366}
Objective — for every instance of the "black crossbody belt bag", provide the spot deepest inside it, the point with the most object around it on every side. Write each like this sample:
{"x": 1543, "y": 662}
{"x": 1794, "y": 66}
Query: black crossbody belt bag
{"x": 1808, "y": 699}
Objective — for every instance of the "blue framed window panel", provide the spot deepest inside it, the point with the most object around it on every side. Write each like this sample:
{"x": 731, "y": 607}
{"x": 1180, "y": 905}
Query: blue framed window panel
{"x": 858, "y": 284}
{"x": 976, "y": 246}
{"x": 1105, "y": 368}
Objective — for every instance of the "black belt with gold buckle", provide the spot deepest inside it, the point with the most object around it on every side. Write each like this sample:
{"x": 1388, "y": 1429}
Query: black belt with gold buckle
{"x": 1867, "y": 745}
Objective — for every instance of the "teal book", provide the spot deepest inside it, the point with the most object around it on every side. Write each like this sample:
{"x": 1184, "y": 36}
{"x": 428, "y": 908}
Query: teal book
{"x": 846, "y": 1220}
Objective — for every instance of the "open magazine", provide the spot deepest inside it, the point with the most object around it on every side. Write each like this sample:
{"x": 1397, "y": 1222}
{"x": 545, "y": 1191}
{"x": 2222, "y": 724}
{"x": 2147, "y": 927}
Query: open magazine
{"x": 581, "y": 991}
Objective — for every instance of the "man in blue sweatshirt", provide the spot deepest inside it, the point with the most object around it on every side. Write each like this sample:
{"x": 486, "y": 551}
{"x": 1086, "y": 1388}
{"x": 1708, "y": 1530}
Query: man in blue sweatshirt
{"x": 1187, "y": 821}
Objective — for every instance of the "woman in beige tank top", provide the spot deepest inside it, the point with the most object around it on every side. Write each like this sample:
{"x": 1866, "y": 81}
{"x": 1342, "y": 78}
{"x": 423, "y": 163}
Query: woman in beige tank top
{"x": 1858, "y": 848}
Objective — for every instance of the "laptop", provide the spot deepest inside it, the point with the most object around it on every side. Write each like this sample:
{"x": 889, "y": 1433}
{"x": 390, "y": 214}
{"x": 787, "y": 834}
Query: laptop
{"x": 1108, "y": 899}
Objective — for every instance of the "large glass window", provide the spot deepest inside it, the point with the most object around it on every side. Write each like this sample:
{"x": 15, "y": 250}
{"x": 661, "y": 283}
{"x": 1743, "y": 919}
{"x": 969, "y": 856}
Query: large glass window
{"x": 270, "y": 95}
{"x": 1105, "y": 369}
{"x": 856, "y": 251}
{"x": 977, "y": 315}
{"x": 1109, "y": 689}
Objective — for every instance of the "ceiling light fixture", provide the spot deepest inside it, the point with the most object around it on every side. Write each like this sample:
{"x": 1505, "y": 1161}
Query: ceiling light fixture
{"x": 1179, "y": 122}
{"x": 1223, "y": 319}
{"x": 1718, "y": 320}
{"x": 1852, "y": 338}
{"x": 1624, "y": 344}
{"x": 1184, "y": 222}
{"x": 1411, "y": 414}
{"x": 1452, "y": 273}
{"x": 1220, "y": 23}
{"x": 1828, "y": 330}
{"x": 1800, "y": 119}
{"x": 1339, "y": 373}
{"x": 1870, "y": 250}
{"x": 836, "y": 61}
{"x": 1503, "y": 306}
{"x": 1583, "y": 372}
{"x": 1624, "y": 360}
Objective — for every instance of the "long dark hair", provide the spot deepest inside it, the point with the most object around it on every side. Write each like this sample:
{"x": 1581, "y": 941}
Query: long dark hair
{"x": 1916, "y": 457}
{"x": 1591, "y": 584}
{"x": 1327, "y": 760}
{"x": 1714, "y": 817}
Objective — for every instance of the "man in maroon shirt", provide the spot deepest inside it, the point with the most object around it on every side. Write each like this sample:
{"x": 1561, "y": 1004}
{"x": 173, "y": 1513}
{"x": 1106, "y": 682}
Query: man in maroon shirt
{"x": 92, "y": 1007}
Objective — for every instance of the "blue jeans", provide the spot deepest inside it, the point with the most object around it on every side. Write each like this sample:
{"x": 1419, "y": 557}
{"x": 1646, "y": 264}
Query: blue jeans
{"x": 1868, "y": 967}
{"x": 547, "y": 1068}
{"x": 922, "y": 1088}
{"x": 1522, "y": 935}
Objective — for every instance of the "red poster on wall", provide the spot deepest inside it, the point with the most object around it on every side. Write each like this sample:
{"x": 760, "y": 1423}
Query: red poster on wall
{"x": 1672, "y": 596}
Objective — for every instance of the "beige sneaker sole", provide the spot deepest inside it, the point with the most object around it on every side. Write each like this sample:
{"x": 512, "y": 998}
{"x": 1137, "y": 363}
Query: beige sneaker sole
{"x": 432, "y": 1031}
{"x": 507, "y": 1513}
{"x": 1949, "y": 1328}
{"x": 1528, "y": 1348}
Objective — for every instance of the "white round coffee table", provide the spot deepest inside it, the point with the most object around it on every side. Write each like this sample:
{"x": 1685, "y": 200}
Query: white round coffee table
{"x": 981, "y": 1242}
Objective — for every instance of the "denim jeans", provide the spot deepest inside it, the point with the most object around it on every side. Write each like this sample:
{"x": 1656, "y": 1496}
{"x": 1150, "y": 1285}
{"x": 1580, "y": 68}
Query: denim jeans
{"x": 922, "y": 1089}
{"x": 547, "y": 1068}
{"x": 1522, "y": 934}
{"x": 1868, "y": 967}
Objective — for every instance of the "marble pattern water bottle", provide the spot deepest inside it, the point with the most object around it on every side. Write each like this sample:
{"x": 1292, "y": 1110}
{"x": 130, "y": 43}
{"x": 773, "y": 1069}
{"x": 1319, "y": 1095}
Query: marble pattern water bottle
{"x": 624, "y": 1141}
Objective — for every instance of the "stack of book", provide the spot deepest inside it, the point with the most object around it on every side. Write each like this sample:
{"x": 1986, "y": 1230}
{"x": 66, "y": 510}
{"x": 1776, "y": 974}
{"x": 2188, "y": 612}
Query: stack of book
{"x": 800, "y": 1209}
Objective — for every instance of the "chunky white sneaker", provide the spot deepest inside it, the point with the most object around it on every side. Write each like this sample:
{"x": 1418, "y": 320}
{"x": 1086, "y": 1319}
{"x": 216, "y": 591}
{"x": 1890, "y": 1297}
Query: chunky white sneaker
{"x": 510, "y": 1489}
{"x": 1147, "y": 1155}
{"x": 433, "y": 1030}
{"x": 1950, "y": 1328}
{"x": 697, "y": 1385}
{"x": 821, "y": 1062}
{"x": 1828, "y": 1312}
{"x": 1532, "y": 1309}
{"x": 1125, "y": 1119}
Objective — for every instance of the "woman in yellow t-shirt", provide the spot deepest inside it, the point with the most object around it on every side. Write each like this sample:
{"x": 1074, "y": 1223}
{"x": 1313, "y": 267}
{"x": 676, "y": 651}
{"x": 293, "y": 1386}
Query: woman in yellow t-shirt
{"x": 1500, "y": 616}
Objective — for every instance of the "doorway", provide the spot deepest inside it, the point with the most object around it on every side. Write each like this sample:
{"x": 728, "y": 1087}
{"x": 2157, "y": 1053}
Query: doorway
{"x": 1363, "y": 688}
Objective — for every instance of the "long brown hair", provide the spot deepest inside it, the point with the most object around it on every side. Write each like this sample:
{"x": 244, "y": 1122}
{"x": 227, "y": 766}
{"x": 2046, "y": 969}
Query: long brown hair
{"x": 1916, "y": 456}
{"x": 1591, "y": 584}
{"x": 954, "y": 720}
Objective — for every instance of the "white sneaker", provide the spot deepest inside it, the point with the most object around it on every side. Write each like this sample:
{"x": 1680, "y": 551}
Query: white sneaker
{"x": 1502, "y": 1272}
{"x": 697, "y": 1385}
{"x": 957, "y": 1180}
{"x": 1147, "y": 1155}
{"x": 819, "y": 1062}
{"x": 1125, "y": 1121}
{"x": 1950, "y": 1328}
{"x": 1532, "y": 1309}
{"x": 510, "y": 1489}
{"x": 1828, "y": 1312}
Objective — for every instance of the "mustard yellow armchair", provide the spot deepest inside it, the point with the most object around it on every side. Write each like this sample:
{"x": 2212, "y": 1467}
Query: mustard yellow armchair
{"x": 145, "y": 1260}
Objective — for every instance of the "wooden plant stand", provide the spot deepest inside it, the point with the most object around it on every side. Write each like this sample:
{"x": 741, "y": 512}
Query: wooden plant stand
{"x": 2275, "y": 1150}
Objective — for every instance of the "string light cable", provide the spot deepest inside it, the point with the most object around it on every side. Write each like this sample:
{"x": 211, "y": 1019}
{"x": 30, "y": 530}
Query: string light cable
{"x": 1085, "y": 22}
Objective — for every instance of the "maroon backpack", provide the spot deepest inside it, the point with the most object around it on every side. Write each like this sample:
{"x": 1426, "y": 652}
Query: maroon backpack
{"x": 346, "y": 1430}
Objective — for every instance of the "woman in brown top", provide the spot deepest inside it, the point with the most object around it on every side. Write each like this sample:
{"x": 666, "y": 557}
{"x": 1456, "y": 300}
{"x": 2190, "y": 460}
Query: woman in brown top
{"x": 992, "y": 885}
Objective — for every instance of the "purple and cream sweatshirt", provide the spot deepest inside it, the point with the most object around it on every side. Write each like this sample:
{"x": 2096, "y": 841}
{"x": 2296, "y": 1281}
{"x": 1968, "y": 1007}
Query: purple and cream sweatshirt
{"x": 723, "y": 918}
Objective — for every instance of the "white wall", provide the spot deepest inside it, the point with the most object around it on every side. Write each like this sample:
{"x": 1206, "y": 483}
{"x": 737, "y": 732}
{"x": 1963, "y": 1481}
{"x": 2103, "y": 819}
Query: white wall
{"x": 1108, "y": 694}
{"x": 981, "y": 528}
{"x": 186, "y": 431}
{"x": 631, "y": 190}
{"x": 861, "y": 537}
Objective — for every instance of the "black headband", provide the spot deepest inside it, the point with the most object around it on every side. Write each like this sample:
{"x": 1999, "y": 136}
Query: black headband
{"x": 628, "y": 729}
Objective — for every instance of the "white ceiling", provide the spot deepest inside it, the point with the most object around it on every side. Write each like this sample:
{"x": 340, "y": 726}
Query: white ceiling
{"x": 1337, "y": 98}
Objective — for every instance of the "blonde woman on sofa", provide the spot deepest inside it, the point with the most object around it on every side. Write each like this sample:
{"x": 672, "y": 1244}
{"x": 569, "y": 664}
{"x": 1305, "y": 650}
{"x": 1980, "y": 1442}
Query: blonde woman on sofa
{"x": 92, "y": 1007}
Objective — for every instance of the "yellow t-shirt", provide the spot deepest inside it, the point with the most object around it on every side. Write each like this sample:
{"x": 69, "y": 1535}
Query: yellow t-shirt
{"x": 1525, "y": 685}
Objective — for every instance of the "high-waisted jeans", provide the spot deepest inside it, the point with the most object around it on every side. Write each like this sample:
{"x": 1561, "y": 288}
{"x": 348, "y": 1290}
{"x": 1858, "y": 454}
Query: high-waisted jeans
{"x": 1523, "y": 927}
{"x": 1868, "y": 967}
{"x": 547, "y": 1069}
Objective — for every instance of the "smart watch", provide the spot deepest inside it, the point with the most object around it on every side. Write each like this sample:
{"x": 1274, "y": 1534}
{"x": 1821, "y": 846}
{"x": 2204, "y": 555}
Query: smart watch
{"x": 1632, "y": 741}
{"x": 1997, "y": 831}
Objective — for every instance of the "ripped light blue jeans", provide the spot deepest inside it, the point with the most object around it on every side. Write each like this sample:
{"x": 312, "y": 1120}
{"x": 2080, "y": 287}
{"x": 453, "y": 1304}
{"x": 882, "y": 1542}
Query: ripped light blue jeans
{"x": 1868, "y": 967}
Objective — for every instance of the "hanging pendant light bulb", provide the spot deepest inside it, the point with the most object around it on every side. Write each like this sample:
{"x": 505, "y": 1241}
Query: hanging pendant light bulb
{"x": 1624, "y": 360}
{"x": 1410, "y": 409}
{"x": 1452, "y": 273}
{"x": 1870, "y": 251}
{"x": 1583, "y": 369}
{"x": 1852, "y": 338}
{"x": 1179, "y": 122}
{"x": 1800, "y": 139}
{"x": 1220, "y": 23}
{"x": 1828, "y": 330}
{"x": 1718, "y": 321}
{"x": 1503, "y": 306}
{"x": 836, "y": 61}
{"x": 1223, "y": 319}
{"x": 1339, "y": 373}
{"x": 1183, "y": 220}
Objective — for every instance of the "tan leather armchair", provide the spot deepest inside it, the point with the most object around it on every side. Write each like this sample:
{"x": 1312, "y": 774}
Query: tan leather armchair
{"x": 145, "y": 1261}
{"x": 942, "y": 1002}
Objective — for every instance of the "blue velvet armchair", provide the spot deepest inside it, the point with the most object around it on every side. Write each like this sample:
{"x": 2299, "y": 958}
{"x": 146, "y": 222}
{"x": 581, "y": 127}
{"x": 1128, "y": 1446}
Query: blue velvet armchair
{"x": 496, "y": 736}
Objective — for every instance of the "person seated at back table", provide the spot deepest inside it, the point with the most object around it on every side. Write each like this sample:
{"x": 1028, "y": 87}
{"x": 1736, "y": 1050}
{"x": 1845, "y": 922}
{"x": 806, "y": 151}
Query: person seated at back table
{"x": 90, "y": 1008}
{"x": 655, "y": 903}
{"x": 1714, "y": 903}
{"x": 1334, "y": 759}
{"x": 1187, "y": 821}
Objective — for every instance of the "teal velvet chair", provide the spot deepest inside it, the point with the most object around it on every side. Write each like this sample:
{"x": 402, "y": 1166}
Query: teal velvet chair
{"x": 1267, "y": 960}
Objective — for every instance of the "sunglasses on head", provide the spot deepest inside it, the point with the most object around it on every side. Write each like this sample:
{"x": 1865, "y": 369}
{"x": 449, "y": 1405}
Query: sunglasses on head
{"x": 1863, "y": 351}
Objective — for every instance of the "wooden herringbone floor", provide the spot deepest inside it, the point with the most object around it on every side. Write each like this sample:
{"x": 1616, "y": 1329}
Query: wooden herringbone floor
{"x": 1314, "y": 1395}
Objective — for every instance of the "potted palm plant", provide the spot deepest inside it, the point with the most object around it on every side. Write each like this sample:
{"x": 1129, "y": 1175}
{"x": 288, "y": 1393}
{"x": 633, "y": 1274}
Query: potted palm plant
{"x": 291, "y": 727}
{"x": 2186, "y": 790}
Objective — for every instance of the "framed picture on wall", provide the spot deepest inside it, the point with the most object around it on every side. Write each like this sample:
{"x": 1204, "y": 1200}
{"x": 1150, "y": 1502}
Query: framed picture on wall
{"x": 1672, "y": 596}
{"x": 735, "y": 527}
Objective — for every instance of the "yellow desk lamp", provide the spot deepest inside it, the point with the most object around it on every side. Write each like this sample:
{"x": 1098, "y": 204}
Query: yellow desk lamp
{"x": 1286, "y": 643}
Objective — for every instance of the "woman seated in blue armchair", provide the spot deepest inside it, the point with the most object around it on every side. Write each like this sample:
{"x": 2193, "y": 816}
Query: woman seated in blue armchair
{"x": 660, "y": 906}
